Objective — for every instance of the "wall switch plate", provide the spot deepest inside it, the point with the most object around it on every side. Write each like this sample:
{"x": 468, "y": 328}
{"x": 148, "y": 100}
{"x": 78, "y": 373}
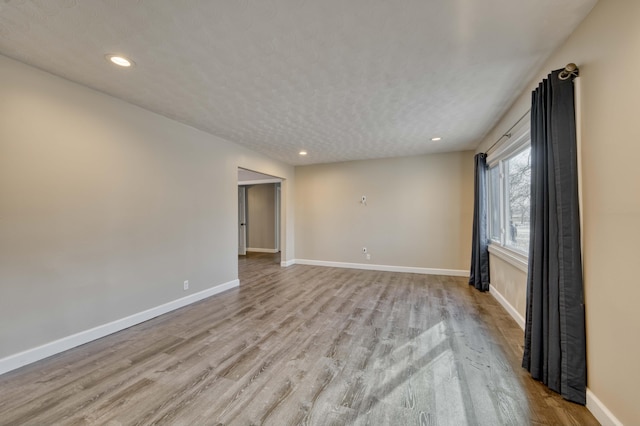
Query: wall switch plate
{"x": 185, "y": 286}
{"x": 363, "y": 200}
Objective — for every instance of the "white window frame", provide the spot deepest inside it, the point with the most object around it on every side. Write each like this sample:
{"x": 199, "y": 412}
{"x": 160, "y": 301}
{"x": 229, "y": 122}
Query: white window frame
{"x": 520, "y": 139}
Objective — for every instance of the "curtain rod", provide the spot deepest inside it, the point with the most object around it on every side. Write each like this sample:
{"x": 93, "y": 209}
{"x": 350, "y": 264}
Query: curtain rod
{"x": 508, "y": 132}
{"x": 571, "y": 70}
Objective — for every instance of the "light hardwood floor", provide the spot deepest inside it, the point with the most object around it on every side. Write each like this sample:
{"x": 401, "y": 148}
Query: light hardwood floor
{"x": 300, "y": 345}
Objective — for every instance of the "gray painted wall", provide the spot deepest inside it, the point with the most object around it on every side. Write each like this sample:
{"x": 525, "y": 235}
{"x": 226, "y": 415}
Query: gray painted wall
{"x": 106, "y": 208}
{"x": 418, "y": 212}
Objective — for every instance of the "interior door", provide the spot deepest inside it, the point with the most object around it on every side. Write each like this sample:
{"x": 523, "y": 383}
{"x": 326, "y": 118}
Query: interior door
{"x": 242, "y": 221}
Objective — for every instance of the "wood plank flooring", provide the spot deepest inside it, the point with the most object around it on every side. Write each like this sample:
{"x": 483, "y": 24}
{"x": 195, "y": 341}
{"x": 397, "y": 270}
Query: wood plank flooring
{"x": 300, "y": 345}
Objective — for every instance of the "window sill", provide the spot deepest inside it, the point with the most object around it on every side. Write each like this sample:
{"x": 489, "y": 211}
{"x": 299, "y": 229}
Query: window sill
{"x": 512, "y": 257}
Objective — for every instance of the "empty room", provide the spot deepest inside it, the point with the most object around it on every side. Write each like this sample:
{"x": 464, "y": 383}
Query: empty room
{"x": 287, "y": 212}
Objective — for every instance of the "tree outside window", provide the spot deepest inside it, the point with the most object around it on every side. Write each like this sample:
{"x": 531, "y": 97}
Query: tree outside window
{"x": 518, "y": 194}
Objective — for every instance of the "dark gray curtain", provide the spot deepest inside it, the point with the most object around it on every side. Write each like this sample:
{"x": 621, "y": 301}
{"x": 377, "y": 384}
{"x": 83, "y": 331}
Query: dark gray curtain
{"x": 555, "y": 349}
{"x": 479, "y": 276}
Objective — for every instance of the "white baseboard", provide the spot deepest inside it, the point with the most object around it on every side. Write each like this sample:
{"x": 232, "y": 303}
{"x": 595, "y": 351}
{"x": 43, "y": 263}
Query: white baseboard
{"x": 20, "y": 359}
{"x": 505, "y": 304}
{"x": 286, "y": 263}
{"x": 600, "y": 411}
{"x": 262, "y": 250}
{"x": 387, "y": 268}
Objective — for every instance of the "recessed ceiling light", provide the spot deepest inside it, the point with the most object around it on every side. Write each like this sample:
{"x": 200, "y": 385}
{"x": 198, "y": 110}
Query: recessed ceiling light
{"x": 436, "y": 139}
{"x": 120, "y": 60}
{"x": 303, "y": 153}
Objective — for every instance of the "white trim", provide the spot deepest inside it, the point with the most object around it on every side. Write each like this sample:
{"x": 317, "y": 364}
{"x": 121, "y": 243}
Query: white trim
{"x": 20, "y": 359}
{"x": 510, "y": 256}
{"x": 259, "y": 181}
{"x": 507, "y": 306}
{"x": 578, "y": 114}
{"x": 278, "y": 214}
{"x": 388, "y": 268}
{"x": 262, "y": 250}
{"x": 519, "y": 137}
{"x": 287, "y": 263}
{"x": 600, "y": 411}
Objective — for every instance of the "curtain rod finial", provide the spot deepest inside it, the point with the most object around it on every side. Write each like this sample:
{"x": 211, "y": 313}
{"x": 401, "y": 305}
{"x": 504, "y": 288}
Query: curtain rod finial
{"x": 570, "y": 70}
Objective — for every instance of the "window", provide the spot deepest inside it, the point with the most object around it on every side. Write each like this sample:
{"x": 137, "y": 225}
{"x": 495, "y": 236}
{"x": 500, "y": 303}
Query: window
{"x": 518, "y": 193}
{"x": 494, "y": 203}
{"x": 509, "y": 191}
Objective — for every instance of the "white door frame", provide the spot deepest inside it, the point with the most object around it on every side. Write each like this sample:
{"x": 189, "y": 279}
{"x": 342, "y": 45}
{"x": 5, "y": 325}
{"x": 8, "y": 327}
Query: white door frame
{"x": 278, "y": 199}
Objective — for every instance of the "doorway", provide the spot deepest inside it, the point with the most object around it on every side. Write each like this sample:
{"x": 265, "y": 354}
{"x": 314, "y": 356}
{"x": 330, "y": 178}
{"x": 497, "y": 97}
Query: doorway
{"x": 259, "y": 217}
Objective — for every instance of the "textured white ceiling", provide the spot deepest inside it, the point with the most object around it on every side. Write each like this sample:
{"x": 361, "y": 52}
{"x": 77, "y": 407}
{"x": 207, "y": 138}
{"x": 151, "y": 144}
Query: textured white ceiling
{"x": 343, "y": 79}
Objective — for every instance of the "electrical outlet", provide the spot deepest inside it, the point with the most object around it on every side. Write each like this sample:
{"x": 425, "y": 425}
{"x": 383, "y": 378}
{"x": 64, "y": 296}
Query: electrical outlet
{"x": 368, "y": 256}
{"x": 185, "y": 286}
{"x": 363, "y": 200}
{"x": 364, "y": 250}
